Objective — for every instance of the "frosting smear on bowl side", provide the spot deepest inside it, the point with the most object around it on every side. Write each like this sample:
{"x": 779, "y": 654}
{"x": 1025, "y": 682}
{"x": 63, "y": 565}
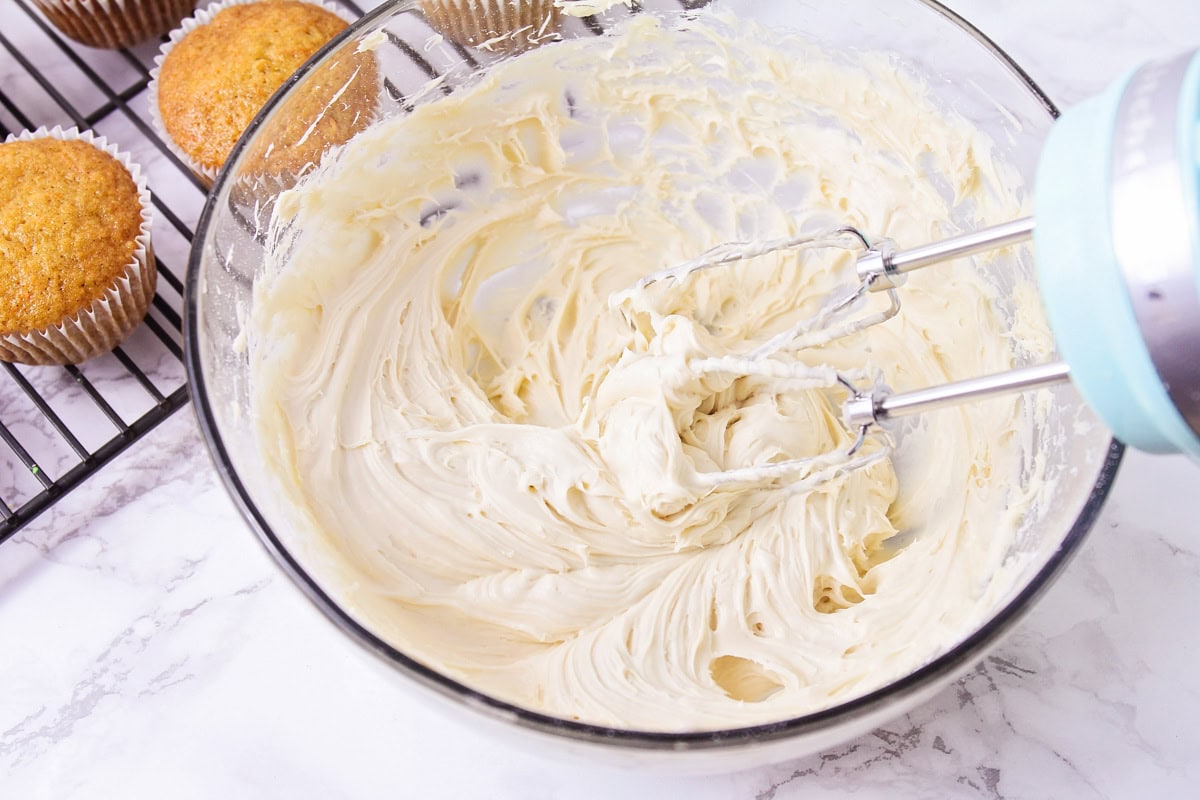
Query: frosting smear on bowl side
{"x": 508, "y": 471}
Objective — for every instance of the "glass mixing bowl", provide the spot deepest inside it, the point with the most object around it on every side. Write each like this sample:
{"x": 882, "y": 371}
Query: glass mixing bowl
{"x": 374, "y": 71}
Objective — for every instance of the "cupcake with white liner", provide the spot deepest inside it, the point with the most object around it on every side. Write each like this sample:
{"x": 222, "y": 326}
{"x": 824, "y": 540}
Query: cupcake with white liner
{"x": 77, "y": 270}
{"x": 222, "y": 64}
{"x": 114, "y": 23}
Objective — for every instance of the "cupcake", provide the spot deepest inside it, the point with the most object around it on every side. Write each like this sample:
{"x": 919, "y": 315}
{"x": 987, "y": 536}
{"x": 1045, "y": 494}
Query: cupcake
{"x": 76, "y": 269}
{"x": 222, "y": 65}
{"x": 114, "y": 23}
{"x": 505, "y": 24}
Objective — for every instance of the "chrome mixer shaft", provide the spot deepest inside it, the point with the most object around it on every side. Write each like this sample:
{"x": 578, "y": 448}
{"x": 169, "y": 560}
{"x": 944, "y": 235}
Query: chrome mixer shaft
{"x": 882, "y": 268}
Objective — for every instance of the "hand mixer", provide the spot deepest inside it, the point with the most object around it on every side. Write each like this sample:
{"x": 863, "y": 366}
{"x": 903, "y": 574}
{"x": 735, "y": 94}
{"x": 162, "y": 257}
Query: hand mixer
{"x": 1117, "y": 247}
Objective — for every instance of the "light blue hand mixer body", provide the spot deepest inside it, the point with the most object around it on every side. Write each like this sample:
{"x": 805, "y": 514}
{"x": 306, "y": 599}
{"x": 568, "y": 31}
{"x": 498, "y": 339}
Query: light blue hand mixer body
{"x": 1117, "y": 247}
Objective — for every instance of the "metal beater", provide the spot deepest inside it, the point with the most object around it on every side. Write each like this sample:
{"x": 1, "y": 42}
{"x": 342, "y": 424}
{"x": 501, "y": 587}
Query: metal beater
{"x": 1117, "y": 245}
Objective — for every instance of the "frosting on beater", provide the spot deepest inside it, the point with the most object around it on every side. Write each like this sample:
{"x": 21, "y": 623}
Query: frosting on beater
{"x": 509, "y": 473}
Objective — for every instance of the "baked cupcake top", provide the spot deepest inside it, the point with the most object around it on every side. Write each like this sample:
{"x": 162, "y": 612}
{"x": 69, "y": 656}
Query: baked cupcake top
{"x": 69, "y": 221}
{"x": 217, "y": 77}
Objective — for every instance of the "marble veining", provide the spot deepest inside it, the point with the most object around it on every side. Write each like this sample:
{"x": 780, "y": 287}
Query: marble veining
{"x": 151, "y": 649}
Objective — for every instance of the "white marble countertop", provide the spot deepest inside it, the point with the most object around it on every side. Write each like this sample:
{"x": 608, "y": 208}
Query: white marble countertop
{"x": 149, "y": 648}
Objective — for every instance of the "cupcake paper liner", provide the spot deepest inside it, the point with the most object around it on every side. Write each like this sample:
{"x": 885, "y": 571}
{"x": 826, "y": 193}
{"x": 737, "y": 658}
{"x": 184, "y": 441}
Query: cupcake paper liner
{"x": 202, "y": 17}
{"x": 114, "y": 23}
{"x": 483, "y": 22}
{"x": 110, "y": 318}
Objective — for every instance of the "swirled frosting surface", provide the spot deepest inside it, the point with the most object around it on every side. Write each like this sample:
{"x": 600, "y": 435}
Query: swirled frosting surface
{"x": 510, "y": 473}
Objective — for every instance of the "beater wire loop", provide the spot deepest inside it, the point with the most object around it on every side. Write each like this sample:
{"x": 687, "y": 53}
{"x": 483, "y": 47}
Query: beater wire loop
{"x": 838, "y": 318}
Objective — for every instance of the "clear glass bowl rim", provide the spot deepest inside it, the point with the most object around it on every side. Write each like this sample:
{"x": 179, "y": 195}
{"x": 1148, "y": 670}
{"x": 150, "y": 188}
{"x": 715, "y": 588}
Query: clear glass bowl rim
{"x": 948, "y": 663}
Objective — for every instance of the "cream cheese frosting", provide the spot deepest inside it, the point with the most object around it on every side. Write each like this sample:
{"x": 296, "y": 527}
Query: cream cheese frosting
{"x": 586, "y": 8}
{"x": 513, "y": 474}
